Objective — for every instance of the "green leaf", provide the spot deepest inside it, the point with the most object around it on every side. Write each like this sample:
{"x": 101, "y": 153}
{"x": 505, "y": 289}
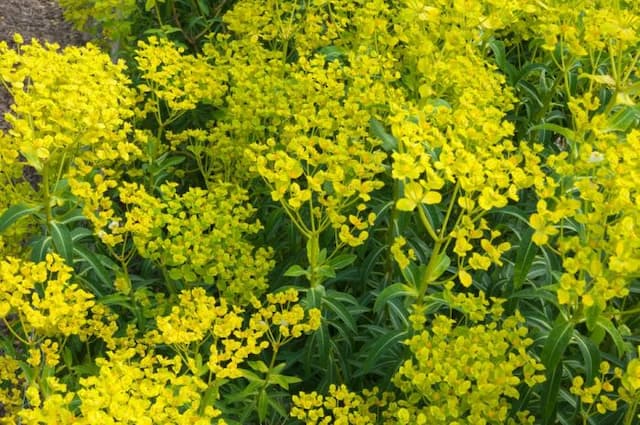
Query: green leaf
{"x": 211, "y": 394}
{"x": 439, "y": 103}
{"x": 554, "y": 347}
{"x": 556, "y": 343}
{"x": 624, "y": 119}
{"x": 62, "y": 241}
{"x": 524, "y": 258}
{"x": 529, "y": 69}
{"x": 71, "y": 216}
{"x": 117, "y": 299}
{"x": 315, "y": 296}
{"x": 591, "y": 314}
{"x": 341, "y": 312}
{"x": 201, "y": 368}
{"x": 345, "y": 298}
{"x": 497, "y": 47}
{"x": 608, "y": 326}
{"x": 331, "y": 53}
{"x": 514, "y": 212}
{"x": 251, "y": 376}
{"x": 94, "y": 263}
{"x": 549, "y": 394}
{"x": 412, "y": 273}
{"x": 295, "y": 271}
{"x": 161, "y": 168}
{"x": 14, "y": 213}
{"x": 393, "y": 291}
{"x": 28, "y": 371}
{"x": 322, "y": 256}
{"x": 342, "y": 261}
{"x": 568, "y": 134}
{"x": 539, "y": 294}
{"x": 284, "y": 381}
{"x": 80, "y": 233}
{"x": 204, "y": 7}
{"x": 67, "y": 357}
{"x": 531, "y": 92}
{"x": 437, "y": 268}
{"x": 381, "y": 346}
{"x": 278, "y": 407}
{"x": 262, "y": 405}
{"x": 258, "y": 366}
{"x": 150, "y": 4}
{"x": 597, "y": 335}
{"x": 590, "y": 355}
{"x": 321, "y": 340}
{"x": 326, "y": 272}
{"x": 39, "y": 248}
{"x": 389, "y": 143}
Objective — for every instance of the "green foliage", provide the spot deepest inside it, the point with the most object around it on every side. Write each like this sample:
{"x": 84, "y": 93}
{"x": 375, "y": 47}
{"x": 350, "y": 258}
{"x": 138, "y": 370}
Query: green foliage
{"x": 355, "y": 212}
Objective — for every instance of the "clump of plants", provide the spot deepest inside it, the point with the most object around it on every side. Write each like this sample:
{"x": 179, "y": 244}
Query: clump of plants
{"x": 350, "y": 212}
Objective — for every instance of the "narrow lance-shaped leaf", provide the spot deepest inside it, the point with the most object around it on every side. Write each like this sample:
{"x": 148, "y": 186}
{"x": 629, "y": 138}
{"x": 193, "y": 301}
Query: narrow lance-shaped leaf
{"x": 524, "y": 258}
{"x": 39, "y": 248}
{"x": 613, "y": 332}
{"x": 389, "y": 143}
{"x": 393, "y": 291}
{"x": 590, "y": 355}
{"x": 381, "y": 346}
{"x": 342, "y": 261}
{"x": 62, "y": 241}
{"x": 14, "y": 213}
{"x": 549, "y": 393}
{"x": 556, "y": 343}
{"x": 341, "y": 312}
{"x": 551, "y": 357}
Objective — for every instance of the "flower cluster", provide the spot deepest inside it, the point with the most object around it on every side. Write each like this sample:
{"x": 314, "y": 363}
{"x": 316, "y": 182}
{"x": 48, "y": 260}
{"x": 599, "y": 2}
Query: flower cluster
{"x": 598, "y": 206}
{"x": 322, "y": 165}
{"x": 175, "y": 80}
{"x": 288, "y": 318}
{"x": 464, "y": 374}
{"x": 458, "y": 171}
{"x": 128, "y": 387}
{"x": 39, "y": 300}
{"x": 70, "y": 112}
{"x": 198, "y": 318}
{"x": 598, "y": 394}
{"x": 339, "y": 406}
{"x": 195, "y": 318}
{"x": 198, "y": 237}
{"x": 457, "y": 374}
{"x": 65, "y": 106}
{"x": 605, "y": 392}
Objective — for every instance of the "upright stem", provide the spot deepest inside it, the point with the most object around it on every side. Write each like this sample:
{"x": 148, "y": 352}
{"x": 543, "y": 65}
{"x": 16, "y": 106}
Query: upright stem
{"x": 313, "y": 254}
{"x": 47, "y": 193}
{"x": 631, "y": 413}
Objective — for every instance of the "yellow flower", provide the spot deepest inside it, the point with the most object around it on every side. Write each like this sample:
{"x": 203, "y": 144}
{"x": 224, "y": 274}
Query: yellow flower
{"x": 542, "y": 229}
{"x": 465, "y": 278}
{"x": 415, "y": 195}
{"x": 631, "y": 379}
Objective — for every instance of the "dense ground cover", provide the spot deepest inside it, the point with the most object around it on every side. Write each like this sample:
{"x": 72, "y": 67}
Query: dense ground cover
{"x": 356, "y": 212}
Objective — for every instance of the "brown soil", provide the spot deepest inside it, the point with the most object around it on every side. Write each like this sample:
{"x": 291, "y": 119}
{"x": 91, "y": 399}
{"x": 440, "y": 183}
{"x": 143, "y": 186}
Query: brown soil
{"x": 41, "y": 19}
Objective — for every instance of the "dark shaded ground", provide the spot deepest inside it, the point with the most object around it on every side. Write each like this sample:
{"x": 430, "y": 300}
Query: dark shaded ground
{"x": 41, "y": 19}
